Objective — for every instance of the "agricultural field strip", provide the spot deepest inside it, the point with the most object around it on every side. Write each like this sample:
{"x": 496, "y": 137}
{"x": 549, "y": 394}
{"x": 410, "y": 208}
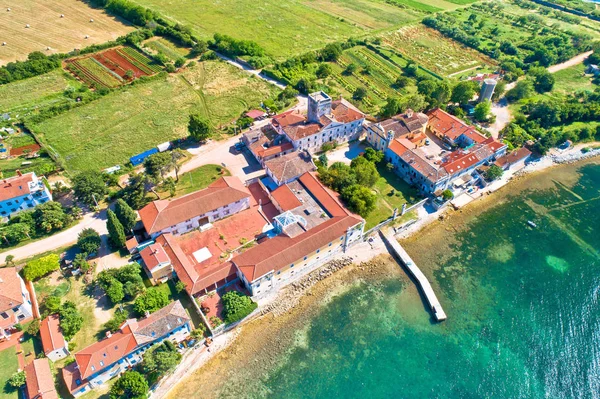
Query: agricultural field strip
{"x": 139, "y": 60}
{"x": 116, "y": 75}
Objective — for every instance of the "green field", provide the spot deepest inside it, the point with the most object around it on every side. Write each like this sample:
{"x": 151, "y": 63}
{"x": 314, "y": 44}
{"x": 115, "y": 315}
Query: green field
{"x": 168, "y": 48}
{"x": 286, "y": 28}
{"x": 429, "y": 48}
{"x": 121, "y": 124}
{"x": 9, "y": 365}
{"x": 196, "y": 179}
{"x": 41, "y": 91}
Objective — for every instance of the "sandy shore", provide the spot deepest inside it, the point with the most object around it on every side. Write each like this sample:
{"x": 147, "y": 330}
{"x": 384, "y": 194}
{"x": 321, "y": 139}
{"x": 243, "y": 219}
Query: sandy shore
{"x": 208, "y": 374}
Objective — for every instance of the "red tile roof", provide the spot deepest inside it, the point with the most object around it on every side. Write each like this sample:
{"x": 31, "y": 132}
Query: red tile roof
{"x": 459, "y": 161}
{"x": 133, "y": 333}
{"x": 51, "y": 334}
{"x": 513, "y": 157}
{"x": 186, "y": 272}
{"x": 397, "y": 148}
{"x": 154, "y": 255}
{"x": 301, "y": 130}
{"x": 345, "y": 112}
{"x": 161, "y": 214}
{"x": 10, "y": 289}
{"x": 71, "y": 376}
{"x": 280, "y": 251}
{"x": 288, "y": 118}
{"x": 285, "y": 197}
{"x": 452, "y": 127}
{"x": 276, "y": 149}
{"x": 290, "y": 166}
{"x": 15, "y": 186}
{"x": 255, "y": 114}
{"x": 39, "y": 380}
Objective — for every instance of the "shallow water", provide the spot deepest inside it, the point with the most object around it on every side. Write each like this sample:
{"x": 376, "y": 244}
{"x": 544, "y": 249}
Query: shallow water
{"x": 522, "y": 305}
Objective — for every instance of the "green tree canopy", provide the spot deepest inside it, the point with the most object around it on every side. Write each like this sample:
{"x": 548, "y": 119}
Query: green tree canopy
{"x": 482, "y": 111}
{"x": 331, "y": 52}
{"x": 359, "y": 94}
{"x": 464, "y": 91}
{"x": 494, "y": 172}
{"x": 523, "y": 89}
{"x": 40, "y": 267}
{"x": 159, "y": 360}
{"x": 365, "y": 171}
{"x": 51, "y": 216}
{"x": 372, "y": 155}
{"x": 17, "y": 380}
{"x": 125, "y": 214}
{"x": 543, "y": 80}
{"x": 70, "y": 320}
{"x": 130, "y": 385}
{"x": 199, "y": 127}
{"x": 89, "y": 185}
{"x": 359, "y": 199}
{"x": 89, "y": 241}
{"x": 236, "y": 306}
{"x": 151, "y": 301}
{"x": 116, "y": 234}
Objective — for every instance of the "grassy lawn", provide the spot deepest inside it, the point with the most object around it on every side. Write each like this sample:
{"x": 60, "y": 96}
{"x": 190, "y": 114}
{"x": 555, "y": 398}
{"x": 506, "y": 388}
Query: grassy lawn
{"x": 434, "y": 51}
{"x": 571, "y": 80}
{"x": 9, "y": 365}
{"x": 41, "y": 91}
{"x": 134, "y": 119}
{"x": 392, "y": 192}
{"x": 196, "y": 179}
{"x": 286, "y": 28}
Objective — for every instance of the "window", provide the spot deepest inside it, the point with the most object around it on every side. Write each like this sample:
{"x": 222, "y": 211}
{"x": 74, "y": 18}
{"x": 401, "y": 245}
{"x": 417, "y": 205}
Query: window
{"x": 15, "y": 309}
{"x": 9, "y": 203}
{"x": 101, "y": 363}
{"x": 93, "y": 368}
{"x": 279, "y": 272}
{"x": 329, "y": 244}
{"x": 318, "y": 250}
{"x": 4, "y": 315}
{"x": 292, "y": 265}
{"x": 306, "y": 257}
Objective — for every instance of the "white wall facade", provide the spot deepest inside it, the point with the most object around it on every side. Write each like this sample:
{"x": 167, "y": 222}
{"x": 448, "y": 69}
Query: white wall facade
{"x": 214, "y": 215}
{"x": 39, "y": 194}
{"x": 59, "y": 353}
{"x": 334, "y": 132}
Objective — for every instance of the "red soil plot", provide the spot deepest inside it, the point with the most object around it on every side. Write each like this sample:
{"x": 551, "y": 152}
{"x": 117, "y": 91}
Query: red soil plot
{"x": 112, "y": 60}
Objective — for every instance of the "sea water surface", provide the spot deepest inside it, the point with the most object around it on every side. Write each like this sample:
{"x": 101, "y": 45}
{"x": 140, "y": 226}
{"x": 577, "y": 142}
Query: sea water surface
{"x": 522, "y": 305}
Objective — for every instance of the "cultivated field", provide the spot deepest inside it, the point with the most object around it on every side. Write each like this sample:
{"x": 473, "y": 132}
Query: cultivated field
{"x": 108, "y": 131}
{"x": 109, "y": 68}
{"x": 286, "y": 28}
{"x": 48, "y": 29}
{"x": 168, "y": 48}
{"x": 434, "y": 51}
{"x": 41, "y": 91}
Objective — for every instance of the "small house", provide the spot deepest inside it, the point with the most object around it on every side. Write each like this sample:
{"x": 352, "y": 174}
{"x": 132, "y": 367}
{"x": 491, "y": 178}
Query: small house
{"x": 54, "y": 343}
{"x": 157, "y": 264}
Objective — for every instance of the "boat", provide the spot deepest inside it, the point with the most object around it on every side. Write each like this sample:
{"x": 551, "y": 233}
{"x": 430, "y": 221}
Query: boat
{"x": 530, "y": 223}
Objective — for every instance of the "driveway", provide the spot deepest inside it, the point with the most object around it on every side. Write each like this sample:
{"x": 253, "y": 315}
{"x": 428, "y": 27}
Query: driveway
{"x": 346, "y": 153}
{"x": 503, "y": 117}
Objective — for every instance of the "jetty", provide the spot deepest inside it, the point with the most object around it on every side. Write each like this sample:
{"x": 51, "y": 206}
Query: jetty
{"x": 418, "y": 275}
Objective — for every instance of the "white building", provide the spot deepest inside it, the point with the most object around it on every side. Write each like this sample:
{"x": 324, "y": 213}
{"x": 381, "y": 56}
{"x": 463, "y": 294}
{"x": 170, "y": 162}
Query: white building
{"x": 15, "y": 303}
{"x": 327, "y": 121}
{"x": 21, "y": 192}
{"x": 225, "y": 197}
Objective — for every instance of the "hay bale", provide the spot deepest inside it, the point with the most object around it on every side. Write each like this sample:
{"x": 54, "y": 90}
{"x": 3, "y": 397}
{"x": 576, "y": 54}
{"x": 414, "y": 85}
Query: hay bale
{"x": 62, "y": 15}
{"x": 91, "y": 20}
{"x": 87, "y": 37}
{"x": 27, "y": 26}
{"x": 8, "y": 9}
{"x": 4, "y": 43}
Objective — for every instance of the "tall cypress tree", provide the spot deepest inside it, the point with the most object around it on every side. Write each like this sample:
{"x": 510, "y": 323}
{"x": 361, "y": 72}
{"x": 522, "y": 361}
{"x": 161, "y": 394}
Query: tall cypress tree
{"x": 125, "y": 214}
{"x": 116, "y": 234}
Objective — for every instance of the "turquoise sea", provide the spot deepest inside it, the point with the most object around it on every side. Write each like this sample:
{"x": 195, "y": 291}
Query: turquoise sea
{"x": 522, "y": 305}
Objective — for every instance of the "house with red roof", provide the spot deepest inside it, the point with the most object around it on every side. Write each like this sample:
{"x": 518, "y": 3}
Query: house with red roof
{"x": 266, "y": 143}
{"x": 327, "y": 121}
{"x": 53, "y": 342}
{"x": 15, "y": 303}
{"x": 22, "y": 192}
{"x": 224, "y": 197}
{"x": 123, "y": 349}
{"x": 409, "y": 125}
{"x": 39, "y": 383}
{"x": 453, "y": 130}
{"x": 156, "y": 263}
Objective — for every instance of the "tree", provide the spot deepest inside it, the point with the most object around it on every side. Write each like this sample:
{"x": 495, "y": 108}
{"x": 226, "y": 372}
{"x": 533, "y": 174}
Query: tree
{"x": 402, "y": 82}
{"x": 116, "y": 234}
{"x": 359, "y": 94}
{"x": 543, "y": 81}
{"x": 199, "y": 127}
{"x": 523, "y": 89}
{"x": 40, "y": 267}
{"x": 81, "y": 263}
{"x": 159, "y": 360}
{"x": 500, "y": 89}
{"x": 70, "y": 320}
{"x": 34, "y": 327}
{"x": 323, "y": 71}
{"x": 412, "y": 70}
{"x": 494, "y": 172}
{"x": 323, "y": 160}
{"x": 482, "y": 111}
{"x": 52, "y": 304}
{"x": 50, "y": 216}
{"x": 135, "y": 192}
{"x": 15, "y": 233}
{"x": 447, "y": 194}
{"x": 131, "y": 385}
{"x": 373, "y": 155}
{"x": 366, "y": 172}
{"x": 150, "y": 301}
{"x": 125, "y": 214}
{"x": 17, "y": 380}
{"x": 129, "y": 74}
{"x": 236, "y": 306}
{"x": 350, "y": 69}
{"x": 158, "y": 165}
{"x": 180, "y": 62}
{"x": 338, "y": 176}
{"x": 10, "y": 260}
{"x": 89, "y": 241}
{"x": 464, "y": 91}
{"x": 331, "y": 52}
{"x": 89, "y": 187}
{"x": 179, "y": 286}
{"x": 359, "y": 199}
{"x": 114, "y": 291}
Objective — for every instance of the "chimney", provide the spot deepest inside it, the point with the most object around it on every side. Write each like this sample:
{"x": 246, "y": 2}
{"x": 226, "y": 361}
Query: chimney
{"x": 19, "y": 173}
{"x": 146, "y": 314}
{"x": 108, "y": 334}
{"x": 409, "y": 113}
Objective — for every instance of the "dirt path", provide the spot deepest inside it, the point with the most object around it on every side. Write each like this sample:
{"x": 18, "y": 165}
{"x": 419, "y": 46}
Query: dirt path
{"x": 578, "y": 59}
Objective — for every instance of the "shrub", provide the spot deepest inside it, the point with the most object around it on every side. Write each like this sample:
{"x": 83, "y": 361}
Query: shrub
{"x": 34, "y": 327}
{"x": 236, "y": 306}
{"x": 17, "y": 380}
{"x": 131, "y": 385}
{"x": 40, "y": 267}
{"x": 179, "y": 286}
{"x": 447, "y": 195}
{"x": 151, "y": 301}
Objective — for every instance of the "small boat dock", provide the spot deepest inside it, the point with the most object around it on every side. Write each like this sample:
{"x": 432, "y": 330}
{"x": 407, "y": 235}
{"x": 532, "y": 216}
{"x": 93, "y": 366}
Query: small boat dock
{"x": 418, "y": 275}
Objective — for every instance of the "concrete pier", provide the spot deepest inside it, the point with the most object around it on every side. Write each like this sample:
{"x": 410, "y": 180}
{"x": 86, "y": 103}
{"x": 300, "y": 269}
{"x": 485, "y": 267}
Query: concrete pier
{"x": 418, "y": 275}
